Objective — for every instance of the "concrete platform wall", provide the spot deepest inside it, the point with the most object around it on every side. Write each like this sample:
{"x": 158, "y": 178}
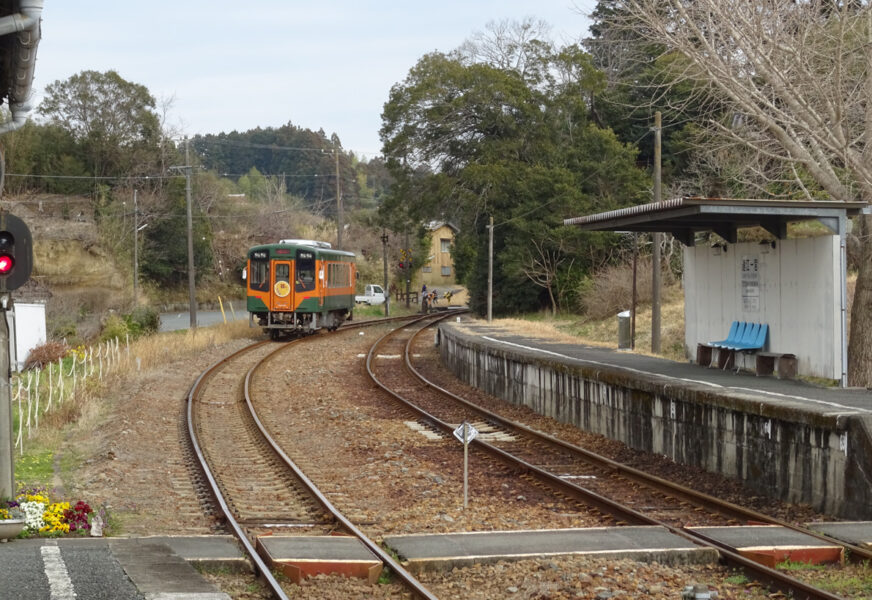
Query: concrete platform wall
{"x": 823, "y": 461}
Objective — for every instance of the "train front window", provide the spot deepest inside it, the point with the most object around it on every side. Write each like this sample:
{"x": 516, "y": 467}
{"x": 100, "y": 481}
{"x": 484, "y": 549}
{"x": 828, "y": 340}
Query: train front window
{"x": 258, "y": 278}
{"x": 304, "y": 279}
{"x": 283, "y": 272}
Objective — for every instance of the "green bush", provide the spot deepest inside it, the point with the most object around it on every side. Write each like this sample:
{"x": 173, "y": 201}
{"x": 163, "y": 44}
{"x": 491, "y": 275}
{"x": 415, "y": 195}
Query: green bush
{"x": 114, "y": 327}
{"x": 142, "y": 320}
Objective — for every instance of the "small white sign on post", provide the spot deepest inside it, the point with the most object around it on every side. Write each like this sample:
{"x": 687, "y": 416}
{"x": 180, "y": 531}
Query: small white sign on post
{"x": 465, "y": 433}
{"x": 471, "y": 433}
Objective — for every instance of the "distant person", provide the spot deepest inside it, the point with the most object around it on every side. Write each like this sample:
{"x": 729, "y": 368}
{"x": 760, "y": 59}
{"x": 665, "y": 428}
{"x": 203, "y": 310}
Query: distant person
{"x": 423, "y": 290}
{"x": 448, "y": 295}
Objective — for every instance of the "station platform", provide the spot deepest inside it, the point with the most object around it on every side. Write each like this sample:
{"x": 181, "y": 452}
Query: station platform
{"x": 785, "y": 438}
{"x": 794, "y": 393}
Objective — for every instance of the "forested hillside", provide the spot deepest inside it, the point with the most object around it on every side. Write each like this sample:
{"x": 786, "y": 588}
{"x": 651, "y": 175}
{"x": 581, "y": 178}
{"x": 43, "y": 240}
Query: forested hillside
{"x": 510, "y": 128}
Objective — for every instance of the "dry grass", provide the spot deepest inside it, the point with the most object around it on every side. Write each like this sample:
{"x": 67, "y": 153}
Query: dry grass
{"x": 85, "y": 407}
{"x": 604, "y": 332}
{"x": 162, "y": 348}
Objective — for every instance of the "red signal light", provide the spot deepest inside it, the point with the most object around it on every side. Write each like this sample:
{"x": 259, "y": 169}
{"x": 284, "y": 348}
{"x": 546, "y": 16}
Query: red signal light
{"x": 6, "y": 264}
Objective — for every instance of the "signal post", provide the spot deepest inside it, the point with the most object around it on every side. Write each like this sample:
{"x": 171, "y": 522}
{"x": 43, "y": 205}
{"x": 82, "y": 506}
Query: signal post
{"x": 16, "y": 264}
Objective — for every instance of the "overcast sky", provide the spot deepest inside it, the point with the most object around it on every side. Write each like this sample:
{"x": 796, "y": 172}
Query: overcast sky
{"x": 239, "y": 65}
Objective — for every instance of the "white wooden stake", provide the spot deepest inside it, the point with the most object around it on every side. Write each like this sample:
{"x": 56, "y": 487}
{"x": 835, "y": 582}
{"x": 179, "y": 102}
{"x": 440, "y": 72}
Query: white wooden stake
{"x": 20, "y": 441}
{"x": 60, "y": 381}
{"x": 29, "y": 379}
{"x": 50, "y": 387}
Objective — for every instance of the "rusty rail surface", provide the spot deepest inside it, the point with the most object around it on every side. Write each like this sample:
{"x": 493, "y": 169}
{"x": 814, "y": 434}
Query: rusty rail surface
{"x": 227, "y": 514}
{"x": 771, "y": 577}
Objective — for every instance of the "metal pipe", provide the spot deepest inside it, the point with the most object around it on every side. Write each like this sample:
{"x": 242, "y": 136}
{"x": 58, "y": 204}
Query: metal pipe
{"x": 26, "y": 24}
{"x": 28, "y": 18}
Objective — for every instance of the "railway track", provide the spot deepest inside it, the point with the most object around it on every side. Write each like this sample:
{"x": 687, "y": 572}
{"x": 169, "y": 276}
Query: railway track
{"x": 645, "y": 499}
{"x": 254, "y": 483}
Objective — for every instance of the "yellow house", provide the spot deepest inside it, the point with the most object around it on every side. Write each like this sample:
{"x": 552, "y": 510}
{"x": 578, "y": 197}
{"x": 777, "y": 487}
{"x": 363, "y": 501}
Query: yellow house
{"x": 438, "y": 268}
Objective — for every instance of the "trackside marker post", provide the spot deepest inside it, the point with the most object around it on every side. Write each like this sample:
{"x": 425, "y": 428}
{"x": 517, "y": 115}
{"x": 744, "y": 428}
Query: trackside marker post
{"x": 465, "y": 433}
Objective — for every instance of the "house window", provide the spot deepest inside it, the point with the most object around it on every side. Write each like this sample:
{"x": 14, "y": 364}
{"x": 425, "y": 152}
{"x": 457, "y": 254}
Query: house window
{"x": 428, "y": 269}
{"x": 445, "y": 245}
{"x": 446, "y": 271}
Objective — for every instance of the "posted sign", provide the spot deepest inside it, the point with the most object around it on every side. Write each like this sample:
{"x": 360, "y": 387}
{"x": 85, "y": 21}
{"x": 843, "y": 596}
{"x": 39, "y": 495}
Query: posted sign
{"x": 471, "y": 433}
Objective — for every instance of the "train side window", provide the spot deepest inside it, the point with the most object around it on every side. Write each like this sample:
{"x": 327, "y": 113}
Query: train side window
{"x": 259, "y": 279}
{"x": 304, "y": 280}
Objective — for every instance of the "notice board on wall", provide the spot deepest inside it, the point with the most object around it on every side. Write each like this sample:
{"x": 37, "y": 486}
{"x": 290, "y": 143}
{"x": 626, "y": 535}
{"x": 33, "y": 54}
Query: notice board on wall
{"x": 751, "y": 283}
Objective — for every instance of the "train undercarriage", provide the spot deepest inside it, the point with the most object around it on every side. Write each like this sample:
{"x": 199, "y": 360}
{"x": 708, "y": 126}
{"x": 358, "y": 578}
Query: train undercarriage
{"x": 279, "y": 324}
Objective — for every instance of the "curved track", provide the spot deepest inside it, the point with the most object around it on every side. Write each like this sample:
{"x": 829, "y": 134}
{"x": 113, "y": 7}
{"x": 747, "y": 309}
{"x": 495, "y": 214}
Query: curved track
{"x": 560, "y": 465}
{"x": 255, "y": 484}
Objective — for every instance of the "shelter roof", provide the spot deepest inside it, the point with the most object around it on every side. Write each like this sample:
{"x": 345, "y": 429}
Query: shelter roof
{"x": 684, "y": 217}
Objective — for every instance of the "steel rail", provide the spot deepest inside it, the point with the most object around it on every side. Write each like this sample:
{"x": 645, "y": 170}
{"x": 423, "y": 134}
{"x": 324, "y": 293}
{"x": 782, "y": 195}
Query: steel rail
{"x": 408, "y": 579}
{"x": 771, "y": 577}
{"x": 196, "y": 389}
{"x": 625, "y": 513}
{"x": 856, "y": 553}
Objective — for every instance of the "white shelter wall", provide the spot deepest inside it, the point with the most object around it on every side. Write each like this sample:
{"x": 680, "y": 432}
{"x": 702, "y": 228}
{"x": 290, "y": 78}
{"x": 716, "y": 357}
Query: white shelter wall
{"x": 794, "y": 288}
{"x": 29, "y": 331}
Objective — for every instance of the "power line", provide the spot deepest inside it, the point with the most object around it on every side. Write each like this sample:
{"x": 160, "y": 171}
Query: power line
{"x": 264, "y": 146}
{"x": 162, "y": 177}
{"x": 149, "y": 177}
{"x": 95, "y": 177}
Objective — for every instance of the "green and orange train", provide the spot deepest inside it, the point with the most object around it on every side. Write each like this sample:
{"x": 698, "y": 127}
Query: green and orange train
{"x": 299, "y": 286}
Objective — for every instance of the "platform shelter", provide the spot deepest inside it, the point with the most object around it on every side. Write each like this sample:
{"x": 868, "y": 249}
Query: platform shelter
{"x": 796, "y": 286}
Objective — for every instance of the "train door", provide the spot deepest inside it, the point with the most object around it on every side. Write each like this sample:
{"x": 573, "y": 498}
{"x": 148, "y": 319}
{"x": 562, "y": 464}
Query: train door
{"x": 282, "y": 286}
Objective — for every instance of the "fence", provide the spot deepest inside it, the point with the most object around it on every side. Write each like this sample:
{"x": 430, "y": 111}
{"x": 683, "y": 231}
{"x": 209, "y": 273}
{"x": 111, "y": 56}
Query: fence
{"x": 62, "y": 382}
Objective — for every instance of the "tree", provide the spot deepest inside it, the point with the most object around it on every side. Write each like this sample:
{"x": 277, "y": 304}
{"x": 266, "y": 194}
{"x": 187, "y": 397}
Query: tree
{"x": 165, "y": 248}
{"x": 797, "y": 78}
{"x": 542, "y": 269}
{"x": 501, "y": 128}
{"x": 304, "y": 157}
{"x": 113, "y": 120}
{"x": 44, "y": 149}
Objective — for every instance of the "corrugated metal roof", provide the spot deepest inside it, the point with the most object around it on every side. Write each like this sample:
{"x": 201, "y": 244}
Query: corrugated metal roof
{"x": 683, "y": 217}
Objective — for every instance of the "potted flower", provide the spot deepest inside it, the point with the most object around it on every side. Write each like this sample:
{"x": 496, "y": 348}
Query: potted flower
{"x": 12, "y": 521}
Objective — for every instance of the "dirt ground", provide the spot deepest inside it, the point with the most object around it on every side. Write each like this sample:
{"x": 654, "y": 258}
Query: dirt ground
{"x": 134, "y": 463}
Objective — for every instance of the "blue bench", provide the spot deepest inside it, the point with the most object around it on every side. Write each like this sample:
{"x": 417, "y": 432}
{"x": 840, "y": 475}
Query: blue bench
{"x": 742, "y": 337}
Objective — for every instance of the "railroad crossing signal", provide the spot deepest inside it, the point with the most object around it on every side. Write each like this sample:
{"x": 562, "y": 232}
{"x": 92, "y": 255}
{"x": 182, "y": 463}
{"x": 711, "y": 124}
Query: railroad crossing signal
{"x": 16, "y": 253}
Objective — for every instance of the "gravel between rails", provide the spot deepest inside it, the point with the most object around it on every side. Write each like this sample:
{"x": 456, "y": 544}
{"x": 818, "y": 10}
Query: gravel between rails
{"x": 336, "y": 415}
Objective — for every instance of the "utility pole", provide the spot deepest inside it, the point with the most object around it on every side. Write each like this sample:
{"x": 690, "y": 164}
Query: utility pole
{"x": 7, "y": 446}
{"x": 635, "y": 297}
{"x": 655, "y": 253}
{"x": 192, "y": 297}
{"x": 135, "y": 251}
{"x": 384, "y": 239}
{"x": 407, "y": 264}
{"x": 338, "y": 203}
{"x": 490, "y": 270}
